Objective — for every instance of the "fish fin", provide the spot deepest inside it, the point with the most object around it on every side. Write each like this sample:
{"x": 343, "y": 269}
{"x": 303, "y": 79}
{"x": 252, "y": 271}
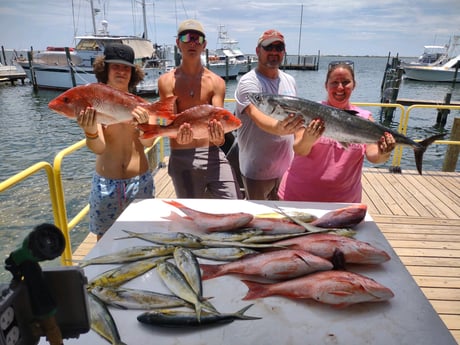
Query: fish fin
{"x": 340, "y": 293}
{"x": 174, "y": 203}
{"x": 338, "y": 259}
{"x": 420, "y": 149}
{"x": 208, "y": 306}
{"x": 210, "y": 271}
{"x": 240, "y": 314}
{"x": 256, "y": 290}
{"x": 179, "y": 223}
{"x": 351, "y": 112}
{"x": 176, "y": 217}
{"x": 165, "y": 108}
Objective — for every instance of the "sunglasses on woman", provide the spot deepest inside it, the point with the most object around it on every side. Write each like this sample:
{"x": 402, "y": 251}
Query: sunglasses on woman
{"x": 343, "y": 62}
{"x": 189, "y": 37}
{"x": 274, "y": 47}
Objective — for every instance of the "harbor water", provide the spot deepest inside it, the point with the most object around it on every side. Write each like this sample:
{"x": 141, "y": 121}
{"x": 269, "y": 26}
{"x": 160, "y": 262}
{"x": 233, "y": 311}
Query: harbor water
{"x": 31, "y": 133}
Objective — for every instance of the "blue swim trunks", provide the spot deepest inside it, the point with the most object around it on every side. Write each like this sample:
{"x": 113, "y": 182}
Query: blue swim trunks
{"x": 108, "y": 198}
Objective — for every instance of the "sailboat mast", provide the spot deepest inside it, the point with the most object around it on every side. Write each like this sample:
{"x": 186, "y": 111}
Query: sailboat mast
{"x": 300, "y": 33}
{"x": 93, "y": 16}
{"x": 145, "y": 20}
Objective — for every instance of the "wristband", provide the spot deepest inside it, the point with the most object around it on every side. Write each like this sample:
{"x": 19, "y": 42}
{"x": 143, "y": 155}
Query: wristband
{"x": 92, "y": 135}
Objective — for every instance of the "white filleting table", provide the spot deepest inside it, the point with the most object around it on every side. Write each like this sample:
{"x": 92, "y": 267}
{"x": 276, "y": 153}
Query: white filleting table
{"x": 408, "y": 318}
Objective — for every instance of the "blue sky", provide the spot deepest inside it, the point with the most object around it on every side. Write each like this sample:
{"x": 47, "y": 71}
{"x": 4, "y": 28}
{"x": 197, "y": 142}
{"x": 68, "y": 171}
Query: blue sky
{"x": 338, "y": 27}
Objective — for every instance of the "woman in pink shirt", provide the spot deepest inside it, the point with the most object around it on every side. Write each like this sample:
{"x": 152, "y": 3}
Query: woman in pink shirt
{"x": 322, "y": 169}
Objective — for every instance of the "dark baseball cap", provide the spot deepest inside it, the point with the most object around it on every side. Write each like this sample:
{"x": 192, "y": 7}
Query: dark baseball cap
{"x": 119, "y": 53}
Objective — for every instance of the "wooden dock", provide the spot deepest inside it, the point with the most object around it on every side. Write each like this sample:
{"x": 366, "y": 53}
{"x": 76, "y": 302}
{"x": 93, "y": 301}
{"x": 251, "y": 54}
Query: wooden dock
{"x": 11, "y": 74}
{"x": 420, "y": 217}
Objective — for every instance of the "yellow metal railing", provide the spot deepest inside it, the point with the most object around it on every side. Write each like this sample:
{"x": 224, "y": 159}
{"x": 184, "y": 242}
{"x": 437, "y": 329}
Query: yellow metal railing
{"x": 56, "y": 190}
{"x": 404, "y": 123}
{"x": 62, "y": 220}
{"x": 32, "y": 170}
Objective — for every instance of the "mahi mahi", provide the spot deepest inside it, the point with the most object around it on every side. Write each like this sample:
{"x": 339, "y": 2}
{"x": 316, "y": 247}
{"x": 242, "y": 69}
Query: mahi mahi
{"x": 176, "y": 282}
{"x": 340, "y": 125}
{"x": 183, "y": 318}
{"x": 102, "y": 321}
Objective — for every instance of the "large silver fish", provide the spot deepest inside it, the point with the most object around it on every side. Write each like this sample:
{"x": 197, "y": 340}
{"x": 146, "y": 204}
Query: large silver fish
{"x": 340, "y": 125}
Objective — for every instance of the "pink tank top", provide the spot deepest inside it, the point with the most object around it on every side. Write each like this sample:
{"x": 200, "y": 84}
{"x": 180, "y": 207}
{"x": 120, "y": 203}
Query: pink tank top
{"x": 330, "y": 173}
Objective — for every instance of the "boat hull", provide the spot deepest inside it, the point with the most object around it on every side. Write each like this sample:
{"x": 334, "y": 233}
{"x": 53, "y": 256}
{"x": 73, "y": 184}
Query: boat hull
{"x": 433, "y": 74}
{"x": 221, "y": 69}
{"x": 59, "y": 77}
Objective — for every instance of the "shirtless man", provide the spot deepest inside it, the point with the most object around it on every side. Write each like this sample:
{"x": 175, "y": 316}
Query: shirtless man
{"x": 198, "y": 167}
{"x": 122, "y": 171}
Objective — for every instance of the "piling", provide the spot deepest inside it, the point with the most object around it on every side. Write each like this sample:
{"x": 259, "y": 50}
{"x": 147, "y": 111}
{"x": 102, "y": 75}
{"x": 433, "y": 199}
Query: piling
{"x": 389, "y": 88}
{"x": 31, "y": 69}
{"x": 441, "y": 119}
{"x": 70, "y": 64}
{"x": 451, "y": 158}
{"x": 4, "y": 57}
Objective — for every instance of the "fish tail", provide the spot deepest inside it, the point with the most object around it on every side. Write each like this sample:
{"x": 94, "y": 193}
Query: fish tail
{"x": 165, "y": 108}
{"x": 420, "y": 149}
{"x": 210, "y": 271}
{"x": 256, "y": 290}
{"x": 149, "y": 131}
{"x": 240, "y": 314}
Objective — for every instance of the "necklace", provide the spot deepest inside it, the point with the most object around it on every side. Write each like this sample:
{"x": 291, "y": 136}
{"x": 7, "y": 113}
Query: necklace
{"x": 193, "y": 81}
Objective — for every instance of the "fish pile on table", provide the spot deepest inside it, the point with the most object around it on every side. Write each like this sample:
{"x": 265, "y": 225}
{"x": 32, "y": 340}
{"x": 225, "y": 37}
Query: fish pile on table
{"x": 291, "y": 254}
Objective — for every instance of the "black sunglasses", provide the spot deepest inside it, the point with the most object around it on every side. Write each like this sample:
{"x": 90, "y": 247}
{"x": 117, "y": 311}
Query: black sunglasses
{"x": 274, "y": 47}
{"x": 343, "y": 62}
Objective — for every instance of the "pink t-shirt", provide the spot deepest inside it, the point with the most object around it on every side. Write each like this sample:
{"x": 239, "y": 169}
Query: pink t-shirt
{"x": 330, "y": 173}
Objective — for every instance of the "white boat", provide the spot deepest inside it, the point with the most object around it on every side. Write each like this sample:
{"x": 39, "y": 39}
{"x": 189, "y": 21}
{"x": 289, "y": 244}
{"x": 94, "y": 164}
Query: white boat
{"x": 62, "y": 68}
{"x": 432, "y": 56}
{"x": 443, "y": 73}
{"x": 226, "y": 69}
{"x": 228, "y": 47}
{"x": 436, "y": 55}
